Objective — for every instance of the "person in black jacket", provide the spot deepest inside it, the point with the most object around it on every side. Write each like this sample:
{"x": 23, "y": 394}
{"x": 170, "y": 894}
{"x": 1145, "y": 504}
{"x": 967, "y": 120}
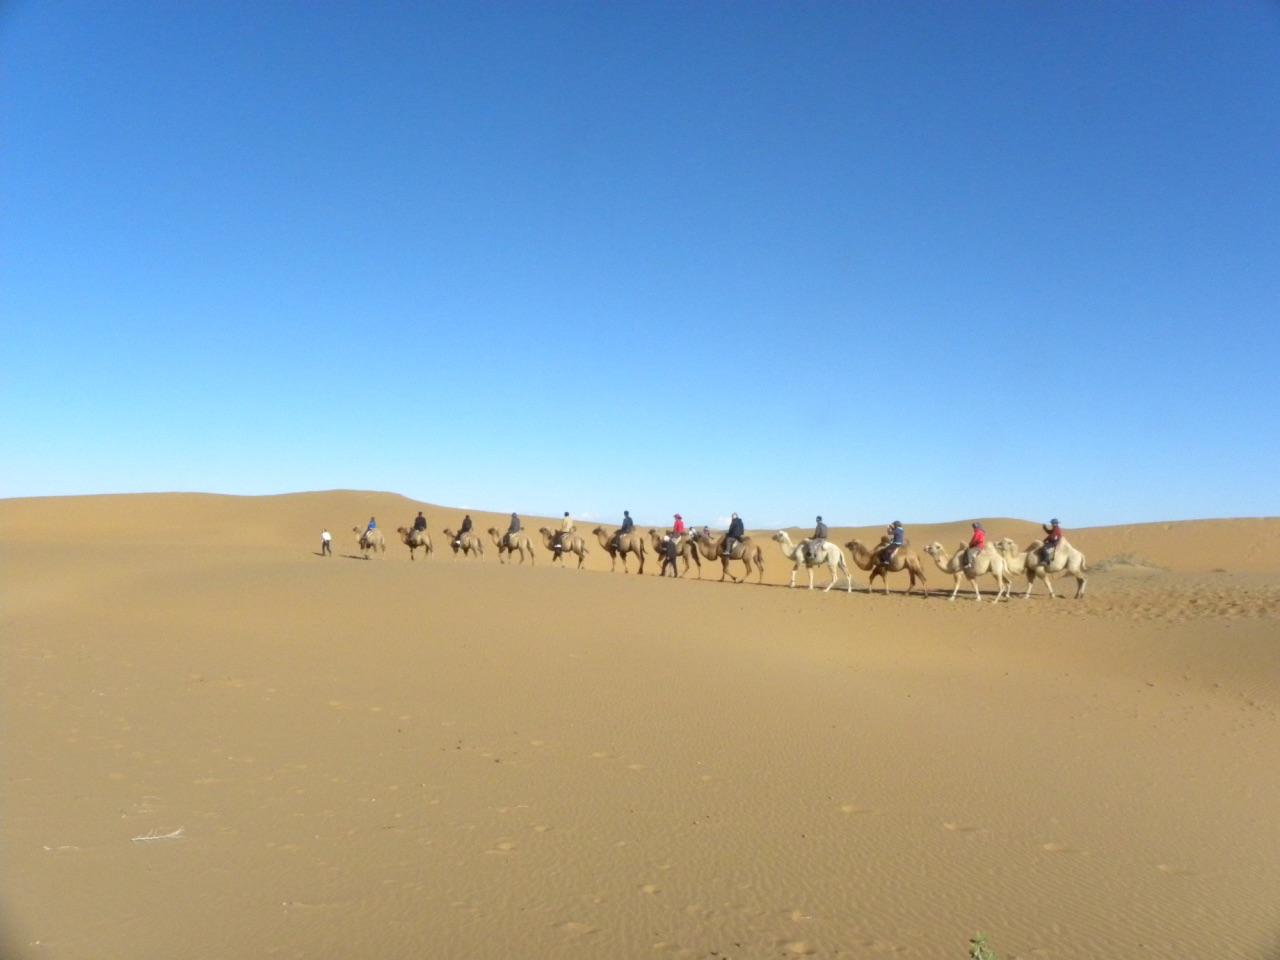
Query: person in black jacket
{"x": 420, "y": 523}
{"x": 736, "y": 531}
{"x": 463, "y": 530}
{"x": 628, "y": 525}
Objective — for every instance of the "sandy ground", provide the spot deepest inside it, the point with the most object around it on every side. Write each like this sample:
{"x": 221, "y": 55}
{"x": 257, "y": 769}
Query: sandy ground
{"x": 217, "y": 744}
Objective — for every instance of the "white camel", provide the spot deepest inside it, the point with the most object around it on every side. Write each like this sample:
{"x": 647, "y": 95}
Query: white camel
{"x": 371, "y": 541}
{"x": 828, "y": 553}
{"x": 987, "y": 561}
{"x": 1029, "y": 562}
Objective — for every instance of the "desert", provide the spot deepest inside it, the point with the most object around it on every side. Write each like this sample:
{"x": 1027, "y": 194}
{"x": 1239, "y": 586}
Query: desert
{"x": 219, "y": 744}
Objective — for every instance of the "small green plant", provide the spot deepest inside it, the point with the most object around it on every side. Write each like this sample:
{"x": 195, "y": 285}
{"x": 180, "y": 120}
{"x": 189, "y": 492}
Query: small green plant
{"x": 978, "y": 949}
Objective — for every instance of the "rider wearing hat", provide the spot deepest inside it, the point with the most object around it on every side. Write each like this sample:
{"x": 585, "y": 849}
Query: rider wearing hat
{"x": 1051, "y": 541}
{"x": 976, "y": 543}
{"x": 818, "y": 539}
{"x": 897, "y": 537}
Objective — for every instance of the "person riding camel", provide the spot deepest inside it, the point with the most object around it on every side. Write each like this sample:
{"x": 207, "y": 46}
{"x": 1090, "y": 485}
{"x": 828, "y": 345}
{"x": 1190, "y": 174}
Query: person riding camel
{"x": 736, "y": 532}
{"x": 628, "y": 525}
{"x": 463, "y": 530}
{"x": 976, "y": 545}
{"x": 677, "y": 528}
{"x": 420, "y": 523}
{"x": 512, "y": 529}
{"x": 817, "y": 540}
{"x": 566, "y": 526}
{"x": 897, "y": 537}
{"x": 1051, "y": 541}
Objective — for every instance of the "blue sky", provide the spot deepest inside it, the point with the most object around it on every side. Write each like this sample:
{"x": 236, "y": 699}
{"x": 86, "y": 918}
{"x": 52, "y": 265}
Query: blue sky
{"x": 918, "y": 261}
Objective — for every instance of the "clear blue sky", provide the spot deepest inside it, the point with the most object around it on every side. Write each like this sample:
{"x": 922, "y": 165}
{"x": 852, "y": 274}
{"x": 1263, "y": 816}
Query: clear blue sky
{"x": 918, "y": 261}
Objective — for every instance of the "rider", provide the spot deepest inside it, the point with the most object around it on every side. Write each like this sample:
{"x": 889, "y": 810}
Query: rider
{"x": 897, "y": 536}
{"x": 420, "y": 523}
{"x": 463, "y": 530}
{"x": 1053, "y": 537}
{"x": 677, "y": 528}
{"x": 566, "y": 526}
{"x": 976, "y": 544}
{"x": 736, "y": 531}
{"x": 818, "y": 539}
{"x": 628, "y": 525}
{"x": 512, "y": 529}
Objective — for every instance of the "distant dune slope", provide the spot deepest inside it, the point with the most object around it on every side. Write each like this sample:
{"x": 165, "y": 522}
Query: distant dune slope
{"x": 294, "y": 521}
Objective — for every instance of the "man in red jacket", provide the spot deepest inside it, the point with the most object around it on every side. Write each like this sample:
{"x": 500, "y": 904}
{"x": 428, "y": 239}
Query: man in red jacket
{"x": 976, "y": 543}
{"x": 1052, "y": 539}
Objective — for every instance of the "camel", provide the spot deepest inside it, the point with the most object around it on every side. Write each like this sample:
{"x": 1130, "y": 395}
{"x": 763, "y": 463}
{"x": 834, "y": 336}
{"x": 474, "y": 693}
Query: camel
{"x": 413, "y": 539}
{"x": 746, "y": 551}
{"x": 625, "y": 544}
{"x": 987, "y": 561}
{"x": 509, "y": 544}
{"x": 904, "y": 559}
{"x": 1066, "y": 560}
{"x": 371, "y": 541}
{"x": 569, "y": 543}
{"x": 470, "y": 543}
{"x": 685, "y": 549}
{"x": 830, "y": 554}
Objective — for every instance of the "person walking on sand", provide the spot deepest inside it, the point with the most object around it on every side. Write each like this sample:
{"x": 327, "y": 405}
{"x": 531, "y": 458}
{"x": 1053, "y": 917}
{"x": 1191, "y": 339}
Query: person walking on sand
{"x": 669, "y": 548}
{"x": 326, "y": 541}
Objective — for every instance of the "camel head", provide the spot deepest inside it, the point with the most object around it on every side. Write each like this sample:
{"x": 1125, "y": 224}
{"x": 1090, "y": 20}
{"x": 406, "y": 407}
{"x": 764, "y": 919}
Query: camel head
{"x": 493, "y": 532}
{"x": 544, "y": 530}
{"x": 934, "y": 549}
{"x": 781, "y": 536}
{"x": 448, "y": 533}
{"x": 1006, "y": 547}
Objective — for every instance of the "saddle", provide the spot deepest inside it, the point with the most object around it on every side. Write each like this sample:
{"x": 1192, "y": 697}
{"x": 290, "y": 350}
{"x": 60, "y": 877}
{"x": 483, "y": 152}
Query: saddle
{"x": 812, "y": 549}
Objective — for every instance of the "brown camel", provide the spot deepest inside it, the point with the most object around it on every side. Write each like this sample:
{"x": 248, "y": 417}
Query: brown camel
{"x": 904, "y": 558}
{"x": 469, "y": 543}
{"x": 371, "y": 541}
{"x": 413, "y": 539}
{"x": 620, "y": 546}
{"x": 509, "y": 544}
{"x": 745, "y": 550}
{"x": 685, "y": 550}
{"x": 569, "y": 543}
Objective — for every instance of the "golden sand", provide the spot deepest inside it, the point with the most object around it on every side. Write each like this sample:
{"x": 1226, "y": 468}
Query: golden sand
{"x": 219, "y": 745}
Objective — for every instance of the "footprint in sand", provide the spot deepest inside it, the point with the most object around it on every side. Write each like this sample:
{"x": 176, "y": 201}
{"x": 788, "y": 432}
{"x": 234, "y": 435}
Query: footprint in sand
{"x": 854, "y": 808}
{"x": 504, "y": 846}
{"x": 651, "y": 888}
{"x": 576, "y": 931}
{"x": 1058, "y": 848}
{"x": 955, "y": 827}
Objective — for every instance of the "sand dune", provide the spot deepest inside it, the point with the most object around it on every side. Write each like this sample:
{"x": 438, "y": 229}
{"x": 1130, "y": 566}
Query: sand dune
{"x": 217, "y": 744}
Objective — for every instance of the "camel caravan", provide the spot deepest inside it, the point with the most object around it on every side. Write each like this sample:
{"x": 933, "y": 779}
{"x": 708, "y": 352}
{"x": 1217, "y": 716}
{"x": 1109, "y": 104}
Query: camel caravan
{"x": 681, "y": 550}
